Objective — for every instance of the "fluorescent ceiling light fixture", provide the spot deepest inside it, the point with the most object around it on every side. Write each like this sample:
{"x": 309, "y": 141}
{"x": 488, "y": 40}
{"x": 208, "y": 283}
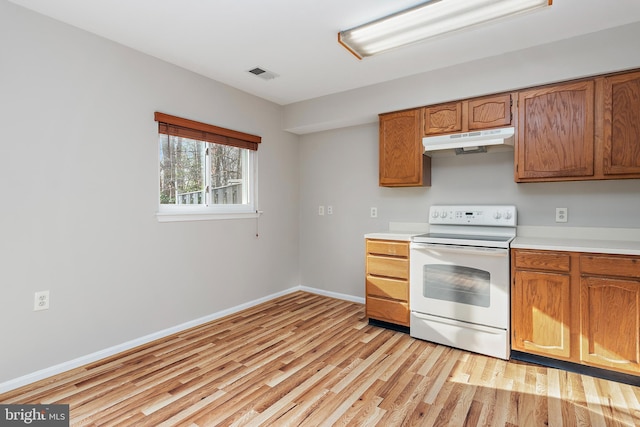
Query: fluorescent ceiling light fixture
{"x": 427, "y": 20}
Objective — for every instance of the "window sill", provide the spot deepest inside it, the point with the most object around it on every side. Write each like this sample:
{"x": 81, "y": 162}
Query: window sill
{"x": 199, "y": 216}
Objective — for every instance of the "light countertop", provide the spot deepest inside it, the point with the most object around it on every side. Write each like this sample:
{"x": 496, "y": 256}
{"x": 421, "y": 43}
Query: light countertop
{"x": 622, "y": 241}
{"x": 400, "y": 231}
{"x": 389, "y": 235}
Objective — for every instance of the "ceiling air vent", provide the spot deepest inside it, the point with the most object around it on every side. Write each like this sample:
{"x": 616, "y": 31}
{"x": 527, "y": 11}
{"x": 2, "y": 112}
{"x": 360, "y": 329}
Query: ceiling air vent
{"x": 263, "y": 74}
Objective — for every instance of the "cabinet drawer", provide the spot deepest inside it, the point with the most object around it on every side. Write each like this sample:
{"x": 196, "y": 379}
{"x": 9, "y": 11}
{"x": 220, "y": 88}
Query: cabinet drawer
{"x": 552, "y": 261}
{"x": 388, "y": 310}
{"x": 610, "y": 265}
{"x": 387, "y": 266}
{"x": 388, "y": 288}
{"x": 385, "y": 247}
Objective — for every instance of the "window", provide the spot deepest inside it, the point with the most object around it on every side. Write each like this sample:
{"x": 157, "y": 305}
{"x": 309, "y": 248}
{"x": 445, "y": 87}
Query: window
{"x": 205, "y": 172}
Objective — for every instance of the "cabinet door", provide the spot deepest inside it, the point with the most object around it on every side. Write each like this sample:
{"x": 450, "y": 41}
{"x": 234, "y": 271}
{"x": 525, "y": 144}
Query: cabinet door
{"x": 444, "y": 118}
{"x": 490, "y": 112}
{"x": 402, "y": 162}
{"x": 610, "y": 333}
{"x": 621, "y": 127}
{"x": 540, "y": 314}
{"x": 556, "y": 132}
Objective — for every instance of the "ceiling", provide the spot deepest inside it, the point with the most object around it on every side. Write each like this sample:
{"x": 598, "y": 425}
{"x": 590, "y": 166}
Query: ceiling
{"x": 297, "y": 39}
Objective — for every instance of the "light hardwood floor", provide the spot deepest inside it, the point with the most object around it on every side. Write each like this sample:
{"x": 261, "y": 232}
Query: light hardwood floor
{"x": 304, "y": 359}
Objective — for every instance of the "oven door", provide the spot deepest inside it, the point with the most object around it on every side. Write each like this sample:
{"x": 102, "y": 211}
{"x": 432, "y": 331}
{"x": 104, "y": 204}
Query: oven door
{"x": 468, "y": 284}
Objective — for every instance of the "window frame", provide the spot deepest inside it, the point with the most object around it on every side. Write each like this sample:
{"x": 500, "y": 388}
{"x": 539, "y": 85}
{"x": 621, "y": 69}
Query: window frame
{"x": 176, "y": 126}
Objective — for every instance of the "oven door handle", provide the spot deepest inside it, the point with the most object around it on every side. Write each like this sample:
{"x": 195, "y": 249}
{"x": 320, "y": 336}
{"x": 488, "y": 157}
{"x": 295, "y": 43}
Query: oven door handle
{"x": 462, "y": 249}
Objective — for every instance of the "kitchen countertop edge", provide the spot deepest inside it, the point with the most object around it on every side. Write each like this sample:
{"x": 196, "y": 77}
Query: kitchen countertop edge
{"x": 622, "y": 241}
{"x": 620, "y": 247}
{"x": 402, "y": 231}
{"x": 391, "y": 235}
{"x": 571, "y": 239}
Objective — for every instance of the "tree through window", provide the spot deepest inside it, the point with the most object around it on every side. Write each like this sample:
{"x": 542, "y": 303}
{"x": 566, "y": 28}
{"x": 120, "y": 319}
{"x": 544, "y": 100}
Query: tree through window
{"x": 203, "y": 165}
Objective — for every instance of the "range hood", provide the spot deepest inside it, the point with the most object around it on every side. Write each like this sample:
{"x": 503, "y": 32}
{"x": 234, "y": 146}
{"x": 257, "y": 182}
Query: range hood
{"x": 469, "y": 142}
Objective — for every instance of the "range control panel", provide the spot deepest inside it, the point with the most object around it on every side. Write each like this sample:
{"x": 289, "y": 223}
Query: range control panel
{"x": 486, "y": 215}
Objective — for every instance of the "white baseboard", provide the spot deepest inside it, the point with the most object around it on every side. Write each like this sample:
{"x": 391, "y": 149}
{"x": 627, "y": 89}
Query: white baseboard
{"x": 93, "y": 357}
{"x": 345, "y": 297}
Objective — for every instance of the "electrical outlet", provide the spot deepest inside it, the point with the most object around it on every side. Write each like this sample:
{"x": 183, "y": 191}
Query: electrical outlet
{"x": 320, "y": 210}
{"x": 562, "y": 214}
{"x": 374, "y": 212}
{"x": 41, "y": 301}
{"x": 329, "y": 210}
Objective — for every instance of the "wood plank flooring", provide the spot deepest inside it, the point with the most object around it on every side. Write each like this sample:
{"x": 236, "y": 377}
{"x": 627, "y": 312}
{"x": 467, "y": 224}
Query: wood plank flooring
{"x": 309, "y": 360}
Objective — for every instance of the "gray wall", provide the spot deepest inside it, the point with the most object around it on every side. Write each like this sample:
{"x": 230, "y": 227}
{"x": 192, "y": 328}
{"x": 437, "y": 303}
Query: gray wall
{"x": 79, "y": 181}
{"x": 609, "y": 50}
{"x": 340, "y": 166}
{"x": 79, "y": 197}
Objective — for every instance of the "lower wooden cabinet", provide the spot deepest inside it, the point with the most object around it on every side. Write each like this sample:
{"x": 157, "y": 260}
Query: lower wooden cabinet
{"x": 542, "y": 313}
{"x": 387, "y": 281}
{"x": 577, "y": 307}
{"x": 610, "y": 307}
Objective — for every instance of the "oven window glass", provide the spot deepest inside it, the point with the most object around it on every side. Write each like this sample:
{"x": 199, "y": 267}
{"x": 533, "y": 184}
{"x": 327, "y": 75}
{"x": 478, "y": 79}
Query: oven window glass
{"x": 455, "y": 283}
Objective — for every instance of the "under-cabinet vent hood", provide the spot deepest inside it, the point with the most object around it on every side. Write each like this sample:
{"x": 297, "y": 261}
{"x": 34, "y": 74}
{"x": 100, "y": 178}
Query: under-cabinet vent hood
{"x": 469, "y": 142}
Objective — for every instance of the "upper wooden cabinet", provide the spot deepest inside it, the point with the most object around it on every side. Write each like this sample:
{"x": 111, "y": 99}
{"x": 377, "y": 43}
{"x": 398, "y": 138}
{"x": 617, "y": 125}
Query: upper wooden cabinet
{"x": 444, "y": 118}
{"x": 490, "y": 112}
{"x": 402, "y": 162}
{"x": 474, "y": 114}
{"x": 621, "y": 125}
{"x": 583, "y": 130}
{"x": 586, "y": 129}
{"x": 555, "y": 132}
